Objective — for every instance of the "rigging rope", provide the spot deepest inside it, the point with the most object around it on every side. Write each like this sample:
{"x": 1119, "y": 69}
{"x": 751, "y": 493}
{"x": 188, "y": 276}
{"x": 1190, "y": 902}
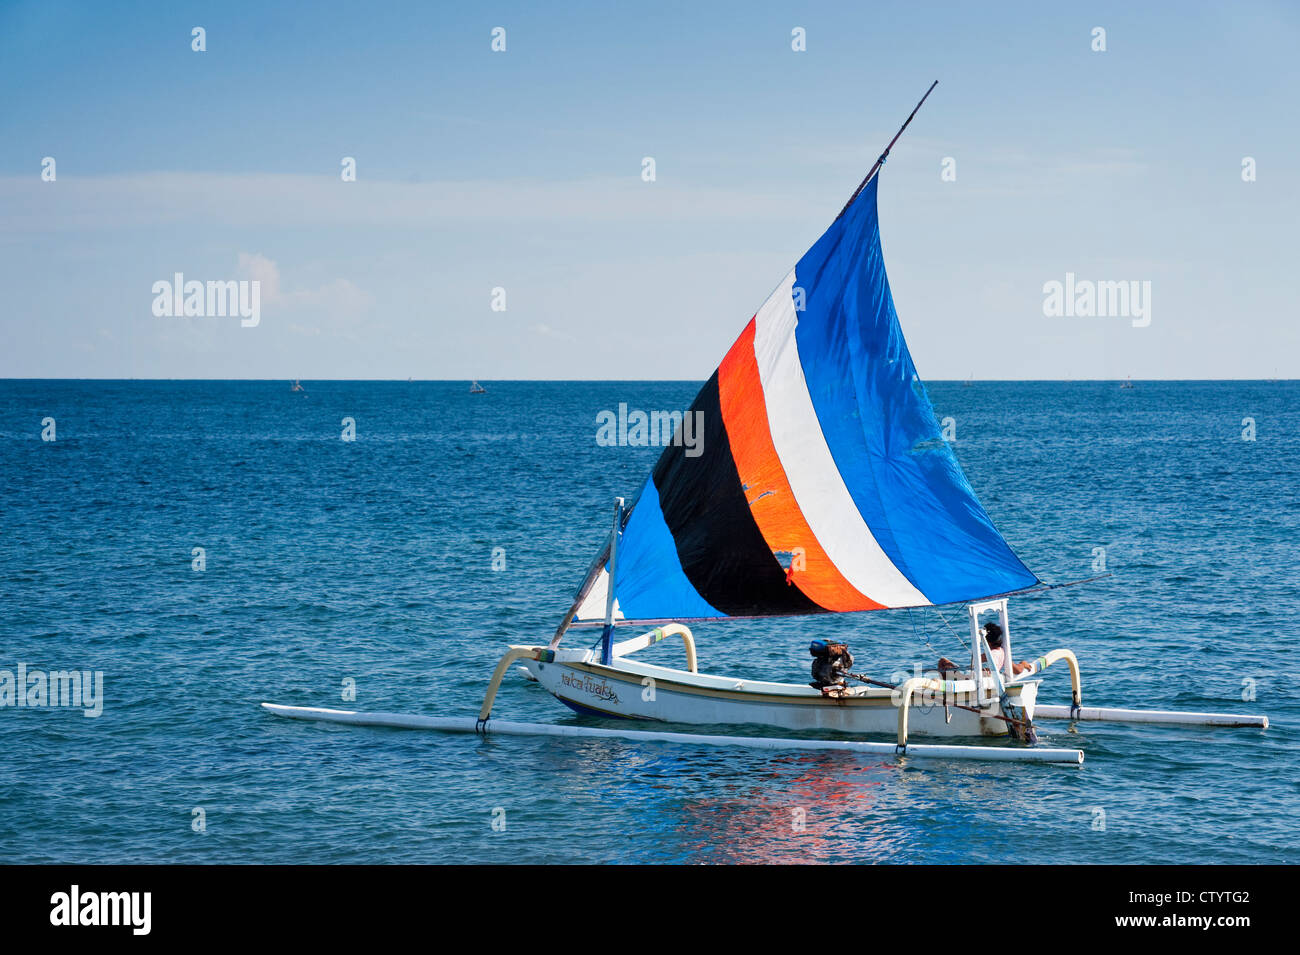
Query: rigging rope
{"x": 964, "y": 644}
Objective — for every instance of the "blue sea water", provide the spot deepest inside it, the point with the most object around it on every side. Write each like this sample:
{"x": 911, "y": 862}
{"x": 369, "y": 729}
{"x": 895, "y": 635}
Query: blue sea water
{"x": 372, "y": 561}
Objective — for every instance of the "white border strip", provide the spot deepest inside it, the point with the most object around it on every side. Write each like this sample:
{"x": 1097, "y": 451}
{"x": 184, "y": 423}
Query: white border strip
{"x": 818, "y": 487}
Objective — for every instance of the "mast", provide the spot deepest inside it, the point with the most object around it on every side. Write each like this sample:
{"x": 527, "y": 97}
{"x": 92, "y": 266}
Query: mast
{"x": 607, "y": 635}
{"x": 883, "y": 156}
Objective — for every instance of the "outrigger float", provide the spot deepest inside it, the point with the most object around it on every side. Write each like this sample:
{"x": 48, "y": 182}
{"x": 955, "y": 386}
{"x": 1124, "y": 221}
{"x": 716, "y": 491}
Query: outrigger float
{"x": 822, "y": 484}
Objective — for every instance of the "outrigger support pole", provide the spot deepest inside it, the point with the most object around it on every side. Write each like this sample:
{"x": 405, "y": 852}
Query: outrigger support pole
{"x": 1076, "y": 686}
{"x": 1173, "y": 717}
{"x": 447, "y": 724}
{"x": 513, "y": 654}
{"x": 885, "y": 155}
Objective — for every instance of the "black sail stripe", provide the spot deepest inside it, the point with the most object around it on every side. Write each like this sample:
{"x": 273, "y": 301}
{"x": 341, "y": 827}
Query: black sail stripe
{"x": 720, "y": 546}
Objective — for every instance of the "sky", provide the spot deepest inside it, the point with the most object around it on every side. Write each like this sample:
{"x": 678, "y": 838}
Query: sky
{"x": 522, "y": 170}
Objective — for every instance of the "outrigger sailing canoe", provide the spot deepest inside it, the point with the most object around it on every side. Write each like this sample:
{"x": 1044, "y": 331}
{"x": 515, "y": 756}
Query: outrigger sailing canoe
{"x": 823, "y": 485}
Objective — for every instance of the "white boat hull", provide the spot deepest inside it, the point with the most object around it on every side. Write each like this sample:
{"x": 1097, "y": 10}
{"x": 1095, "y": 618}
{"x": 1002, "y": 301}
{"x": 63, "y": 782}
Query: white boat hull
{"x": 635, "y": 690}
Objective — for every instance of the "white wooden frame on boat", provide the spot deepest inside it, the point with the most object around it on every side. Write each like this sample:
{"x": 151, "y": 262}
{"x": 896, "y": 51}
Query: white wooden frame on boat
{"x": 901, "y": 698}
{"x": 918, "y": 705}
{"x": 997, "y": 702}
{"x": 632, "y": 689}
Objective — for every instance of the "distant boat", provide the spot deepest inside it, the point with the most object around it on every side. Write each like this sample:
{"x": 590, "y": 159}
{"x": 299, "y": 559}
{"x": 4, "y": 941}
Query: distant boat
{"x": 476, "y": 389}
{"x": 1127, "y": 382}
{"x": 297, "y": 386}
{"x": 967, "y": 382}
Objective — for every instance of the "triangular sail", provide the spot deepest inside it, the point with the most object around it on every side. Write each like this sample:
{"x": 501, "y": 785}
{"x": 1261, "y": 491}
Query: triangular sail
{"x": 823, "y": 482}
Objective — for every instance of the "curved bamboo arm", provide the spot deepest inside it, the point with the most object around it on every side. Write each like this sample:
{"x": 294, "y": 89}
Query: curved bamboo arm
{"x": 651, "y": 637}
{"x": 1042, "y": 663}
{"x": 688, "y": 639}
{"x": 513, "y": 654}
{"x": 903, "y": 700}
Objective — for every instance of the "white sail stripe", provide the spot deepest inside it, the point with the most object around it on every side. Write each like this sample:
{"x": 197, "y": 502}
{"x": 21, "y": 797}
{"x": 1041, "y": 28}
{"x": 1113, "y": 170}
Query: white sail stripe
{"x": 593, "y": 605}
{"x": 818, "y": 487}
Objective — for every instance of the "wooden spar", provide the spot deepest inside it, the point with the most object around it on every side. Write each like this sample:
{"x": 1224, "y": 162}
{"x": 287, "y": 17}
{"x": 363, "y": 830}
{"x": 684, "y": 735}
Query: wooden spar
{"x": 661, "y": 621}
{"x": 446, "y": 724}
{"x": 880, "y": 161}
{"x": 1148, "y": 716}
{"x": 593, "y": 572}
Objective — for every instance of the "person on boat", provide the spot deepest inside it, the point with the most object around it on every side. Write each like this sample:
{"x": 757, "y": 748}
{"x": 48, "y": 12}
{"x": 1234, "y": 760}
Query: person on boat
{"x": 993, "y": 637}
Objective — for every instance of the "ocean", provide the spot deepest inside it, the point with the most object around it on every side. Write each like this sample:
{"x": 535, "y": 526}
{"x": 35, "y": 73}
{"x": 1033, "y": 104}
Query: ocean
{"x": 401, "y": 563}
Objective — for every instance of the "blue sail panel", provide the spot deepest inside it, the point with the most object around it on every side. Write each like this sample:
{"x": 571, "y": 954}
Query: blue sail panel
{"x": 880, "y": 426}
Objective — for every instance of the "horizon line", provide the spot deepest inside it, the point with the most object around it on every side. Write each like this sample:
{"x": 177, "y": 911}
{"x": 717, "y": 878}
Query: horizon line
{"x": 643, "y": 380}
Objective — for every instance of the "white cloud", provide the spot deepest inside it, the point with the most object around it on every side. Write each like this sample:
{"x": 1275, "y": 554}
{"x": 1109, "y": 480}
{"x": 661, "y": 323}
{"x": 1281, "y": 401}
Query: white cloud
{"x": 261, "y": 269}
{"x": 337, "y": 295}
{"x": 546, "y": 331}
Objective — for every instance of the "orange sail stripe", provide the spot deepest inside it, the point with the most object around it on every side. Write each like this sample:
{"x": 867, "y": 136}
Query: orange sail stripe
{"x": 771, "y": 502}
